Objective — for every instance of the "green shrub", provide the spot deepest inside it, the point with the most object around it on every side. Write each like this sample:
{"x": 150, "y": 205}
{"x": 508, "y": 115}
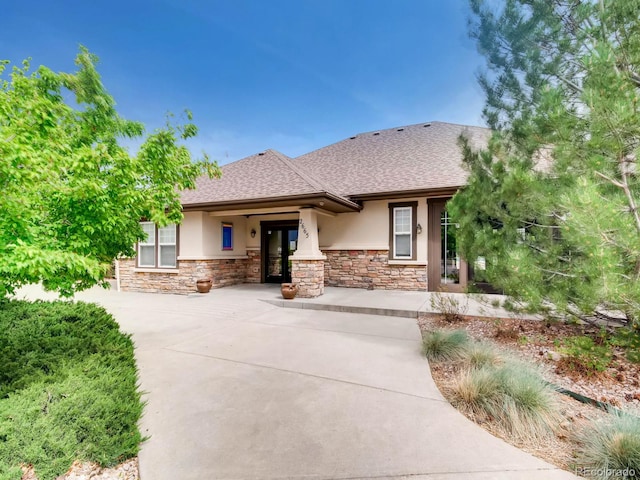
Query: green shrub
{"x": 582, "y": 355}
{"x": 68, "y": 386}
{"x": 36, "y": 337}
{"x": 629, "y": 339}
{"x": 610, "y": 448}
{"x": 443, "y": 345}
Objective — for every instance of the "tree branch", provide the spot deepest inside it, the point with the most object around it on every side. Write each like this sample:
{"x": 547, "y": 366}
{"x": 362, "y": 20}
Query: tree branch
{"x": 610, "y": 180}
{"x": 554, "y": 273}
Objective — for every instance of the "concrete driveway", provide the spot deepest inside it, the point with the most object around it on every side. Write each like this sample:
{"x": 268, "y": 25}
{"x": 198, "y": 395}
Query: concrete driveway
{"x": 241, "y": 389}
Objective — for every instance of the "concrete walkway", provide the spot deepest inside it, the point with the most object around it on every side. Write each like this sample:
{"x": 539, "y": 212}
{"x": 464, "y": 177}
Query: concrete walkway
{"x": 238, "y": 388}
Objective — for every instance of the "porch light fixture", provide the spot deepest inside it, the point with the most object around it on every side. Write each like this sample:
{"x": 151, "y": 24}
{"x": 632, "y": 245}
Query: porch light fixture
{"x": 253, "y": 233}
{"x": 418, "y": 229}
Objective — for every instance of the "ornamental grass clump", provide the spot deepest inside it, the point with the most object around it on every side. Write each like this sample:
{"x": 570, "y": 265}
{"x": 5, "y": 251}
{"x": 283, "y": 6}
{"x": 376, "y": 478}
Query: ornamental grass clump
{"x": 610, "y": 448}
{"x": 476, "y": 391}
{"x": 512, "y": 395}
{"x": 445, "y": 345}
{"x": 480, "y": 354}
{"x": 529, "y": 403}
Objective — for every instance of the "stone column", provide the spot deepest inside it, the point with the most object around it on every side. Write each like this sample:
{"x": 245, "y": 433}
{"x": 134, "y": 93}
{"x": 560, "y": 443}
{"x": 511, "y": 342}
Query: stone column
{"x": 307, "y": 263}
{"x": 309, "y": 276}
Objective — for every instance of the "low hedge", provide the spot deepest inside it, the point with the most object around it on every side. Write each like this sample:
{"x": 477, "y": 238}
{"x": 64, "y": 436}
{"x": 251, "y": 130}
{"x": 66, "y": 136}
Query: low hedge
{"x": 68, "y": 388}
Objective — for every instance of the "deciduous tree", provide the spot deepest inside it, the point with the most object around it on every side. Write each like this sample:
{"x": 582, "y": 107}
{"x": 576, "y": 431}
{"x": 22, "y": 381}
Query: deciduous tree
{"x": 71, "y": 195}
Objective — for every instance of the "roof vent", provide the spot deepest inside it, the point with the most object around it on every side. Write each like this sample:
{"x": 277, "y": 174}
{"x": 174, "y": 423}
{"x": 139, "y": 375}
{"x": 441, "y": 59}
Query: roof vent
{"x": 377, "y": 133}
{"x": 400, "y": 129}
{"x": 261, "y": 153}
{"x": 426, "y": 125}
{"x": 352, "y": 138}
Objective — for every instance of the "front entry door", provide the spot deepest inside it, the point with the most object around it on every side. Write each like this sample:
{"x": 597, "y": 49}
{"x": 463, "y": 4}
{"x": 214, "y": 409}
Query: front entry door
{"x": 446, "y": 270}
{"x": 278, "y": 243}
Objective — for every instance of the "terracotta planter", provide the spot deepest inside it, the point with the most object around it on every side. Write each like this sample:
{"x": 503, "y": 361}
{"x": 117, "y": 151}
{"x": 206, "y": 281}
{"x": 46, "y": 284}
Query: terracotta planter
{"x": 289, "y": 290}
{"x": 203, "y": 285}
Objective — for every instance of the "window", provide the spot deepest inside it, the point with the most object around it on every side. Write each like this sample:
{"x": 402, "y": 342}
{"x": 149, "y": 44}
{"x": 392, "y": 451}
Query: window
{"x": 227, "y": 236}
{"x": 159, "y": 248}
{"x": 167, "y": 246}
{"x": 402, "y": 222}
{"x": 147, "y": 247}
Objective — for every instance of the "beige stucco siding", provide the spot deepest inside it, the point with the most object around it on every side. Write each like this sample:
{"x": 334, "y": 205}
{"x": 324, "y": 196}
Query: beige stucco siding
{"x": 369, "y": 228}
{"x": 213, "y": 235}
{"x": 201, "y": 233}
{"x": 191, "y": 235}
{"x": 201, "y": 237}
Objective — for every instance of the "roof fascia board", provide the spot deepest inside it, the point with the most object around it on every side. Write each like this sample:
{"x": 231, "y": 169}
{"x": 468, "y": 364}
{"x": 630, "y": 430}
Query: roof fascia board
{"x": 433, "y": 192}
{"x": 289, "y": 201}
{"x": 254, "y": 211}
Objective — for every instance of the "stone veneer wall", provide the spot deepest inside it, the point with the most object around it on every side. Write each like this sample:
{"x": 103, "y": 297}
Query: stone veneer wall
{"x": 254, "y": 267}
{"x": 309, "y": 275}
{"x": 370, "y": 269}
{"x": 221, "y": 272}
{"x": 342, "y": 268}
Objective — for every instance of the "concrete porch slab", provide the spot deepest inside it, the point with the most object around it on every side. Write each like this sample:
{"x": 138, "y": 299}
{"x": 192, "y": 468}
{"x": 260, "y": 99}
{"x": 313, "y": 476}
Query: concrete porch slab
{"x": 394, "y": 303}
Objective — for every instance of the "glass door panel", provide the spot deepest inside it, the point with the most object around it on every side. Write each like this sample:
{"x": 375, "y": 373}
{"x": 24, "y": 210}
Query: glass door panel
{"x": 292, "y": 246}
{"x": 449, "y": 257}
{"x": 274, "y": 256}
{"x": 279, "y": 243}
{"x": 446, "y": 270}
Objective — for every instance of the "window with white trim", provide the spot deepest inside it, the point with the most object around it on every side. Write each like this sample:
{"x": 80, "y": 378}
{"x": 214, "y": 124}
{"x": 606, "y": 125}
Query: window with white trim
{"x": 159, "y": 248}
{"x": 402, "y": 241}
{"x": 147, "y": 247}
{"x": 402, "y": 232}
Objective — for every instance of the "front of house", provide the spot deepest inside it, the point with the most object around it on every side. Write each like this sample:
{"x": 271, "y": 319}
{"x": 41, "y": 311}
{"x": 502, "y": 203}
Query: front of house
{"x": 366, "y": 212}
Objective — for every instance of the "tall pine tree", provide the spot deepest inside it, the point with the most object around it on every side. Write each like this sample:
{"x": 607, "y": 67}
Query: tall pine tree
{"x": 552, "y": 204}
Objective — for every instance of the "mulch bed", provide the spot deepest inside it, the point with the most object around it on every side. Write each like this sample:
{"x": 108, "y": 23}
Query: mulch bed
{"x": 537, "y": 341}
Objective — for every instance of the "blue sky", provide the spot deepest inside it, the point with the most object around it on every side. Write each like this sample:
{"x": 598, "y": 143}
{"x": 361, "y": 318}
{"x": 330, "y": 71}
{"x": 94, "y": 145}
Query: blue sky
{"x": 292, "y": 75}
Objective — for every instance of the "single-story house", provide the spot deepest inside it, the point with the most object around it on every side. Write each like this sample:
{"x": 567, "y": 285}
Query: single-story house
{"x": 365, "y": 212}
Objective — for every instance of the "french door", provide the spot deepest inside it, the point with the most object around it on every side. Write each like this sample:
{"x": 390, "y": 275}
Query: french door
{"x": 279, "y": 242}
{"x": 446, "y": 270}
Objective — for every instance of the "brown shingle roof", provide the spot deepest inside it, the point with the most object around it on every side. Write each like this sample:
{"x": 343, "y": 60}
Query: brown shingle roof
{"x": 264, "y": 175}
{"x": 416, "y": 157}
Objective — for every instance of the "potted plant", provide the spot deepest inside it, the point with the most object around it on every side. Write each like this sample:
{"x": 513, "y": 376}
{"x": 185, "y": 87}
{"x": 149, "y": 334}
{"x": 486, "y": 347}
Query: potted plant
{"x": 203, "y": 285}
{"x": 289, "y": 290}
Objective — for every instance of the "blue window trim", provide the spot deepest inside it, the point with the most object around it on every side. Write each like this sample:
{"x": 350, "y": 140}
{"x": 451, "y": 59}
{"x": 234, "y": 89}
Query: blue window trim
{"x": 227, "y": 236}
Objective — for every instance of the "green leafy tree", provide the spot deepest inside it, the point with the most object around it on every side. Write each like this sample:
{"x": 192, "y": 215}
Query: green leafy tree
{"x": 552, "y": 203}
{"x": 71, "y": 195}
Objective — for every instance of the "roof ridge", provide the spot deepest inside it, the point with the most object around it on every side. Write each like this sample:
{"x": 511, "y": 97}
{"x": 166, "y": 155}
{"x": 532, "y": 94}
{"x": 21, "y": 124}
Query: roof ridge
{"x": 392, "y": 128}
{"x": 314, "y": 182}
{"x": 430, "y": 122}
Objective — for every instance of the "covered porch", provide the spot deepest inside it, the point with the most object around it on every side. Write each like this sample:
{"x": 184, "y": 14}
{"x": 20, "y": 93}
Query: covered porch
{"x": 281, "y": 244}
{"x": 273, "y": 241}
